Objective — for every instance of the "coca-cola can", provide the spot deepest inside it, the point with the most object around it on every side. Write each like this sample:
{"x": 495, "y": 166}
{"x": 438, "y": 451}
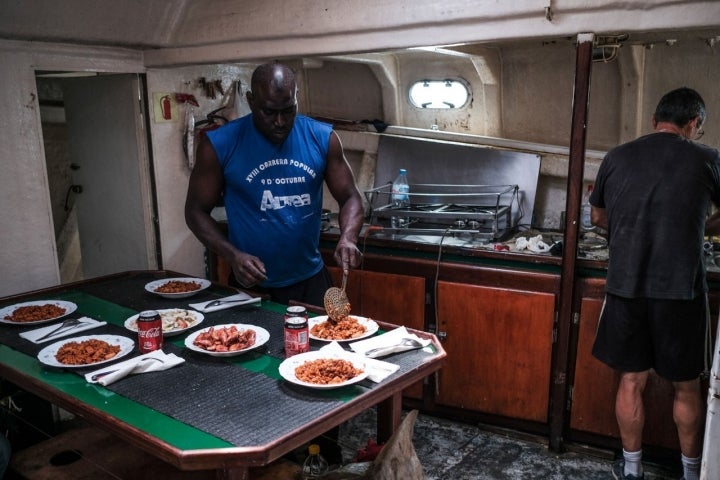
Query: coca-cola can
{"x": 295, "y": 311}
{"x": 297, "y": 336}
{"x": 150, "y": 336}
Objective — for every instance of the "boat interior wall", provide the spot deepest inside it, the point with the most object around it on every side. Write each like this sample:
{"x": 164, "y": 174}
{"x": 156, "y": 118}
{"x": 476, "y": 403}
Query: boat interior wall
{"x": 355, "y": 61}
{"x": 445, "y": 163}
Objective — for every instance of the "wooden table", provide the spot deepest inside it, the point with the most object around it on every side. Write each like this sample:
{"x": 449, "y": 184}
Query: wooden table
{"x": 200, "y": 415}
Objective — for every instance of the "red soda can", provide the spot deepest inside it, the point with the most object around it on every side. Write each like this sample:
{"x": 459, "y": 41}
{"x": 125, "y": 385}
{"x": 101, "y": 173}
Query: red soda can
{"x": 295, "y": 311}
{"x": 297, "y": 336}
{"x": 150, "y": 336}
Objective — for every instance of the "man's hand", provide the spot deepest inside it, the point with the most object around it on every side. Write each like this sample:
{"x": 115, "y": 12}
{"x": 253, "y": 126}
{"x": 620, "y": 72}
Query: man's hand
{"x": 248, "y": 270}
{"x": 347, "y": 255}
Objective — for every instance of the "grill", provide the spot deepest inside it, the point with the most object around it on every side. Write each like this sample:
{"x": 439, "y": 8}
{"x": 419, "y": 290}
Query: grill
{"x": 484, "y": 212}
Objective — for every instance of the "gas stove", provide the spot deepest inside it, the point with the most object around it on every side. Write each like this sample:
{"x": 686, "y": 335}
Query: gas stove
{"x": 478, "y": 212}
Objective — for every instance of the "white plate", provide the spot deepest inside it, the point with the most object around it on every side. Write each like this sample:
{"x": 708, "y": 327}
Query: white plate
{"x": 150, "y": 287}
{"x": 168, "y": 316}
{"x": 288, "y": 366}
{"x": 68, "y": 306}
{"x": 370, "y": 328}
{"x": 261, "y": 338}
{"x": 47, "y": 354}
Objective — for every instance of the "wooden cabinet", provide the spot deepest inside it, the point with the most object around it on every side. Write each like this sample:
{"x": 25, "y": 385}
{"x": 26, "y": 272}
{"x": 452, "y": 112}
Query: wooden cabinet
{"x": 499, "y": 345}
{"x": 595, "y": 384}
{"x": 393, "y": 298}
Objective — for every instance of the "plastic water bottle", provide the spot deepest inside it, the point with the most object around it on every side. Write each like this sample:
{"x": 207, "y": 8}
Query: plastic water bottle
{"x": 314, "y": 465}
{"x": 400, "y": 199}
{"x": 585, "y": 221}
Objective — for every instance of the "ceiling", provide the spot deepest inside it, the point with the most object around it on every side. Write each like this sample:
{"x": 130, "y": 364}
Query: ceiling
{"x": 202, "y": 27}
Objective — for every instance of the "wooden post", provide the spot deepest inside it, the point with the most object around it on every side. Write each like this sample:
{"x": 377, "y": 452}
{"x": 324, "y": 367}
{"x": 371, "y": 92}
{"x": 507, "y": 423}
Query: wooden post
{"x": 559, "y": 392}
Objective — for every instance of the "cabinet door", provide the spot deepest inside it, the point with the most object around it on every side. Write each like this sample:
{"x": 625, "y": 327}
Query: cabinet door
{"x": 392, "y": 298}
{"x": 499, "y": 345}
{"x": 595, "y": 386}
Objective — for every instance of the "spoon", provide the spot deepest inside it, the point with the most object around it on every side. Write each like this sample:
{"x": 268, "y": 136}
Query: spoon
{"x": 336, "y": 302}
{"x": 381, "y": 351}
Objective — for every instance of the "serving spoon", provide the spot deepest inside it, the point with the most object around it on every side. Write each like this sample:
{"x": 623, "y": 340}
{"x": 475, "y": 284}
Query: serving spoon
{"x": 336, "y": 302}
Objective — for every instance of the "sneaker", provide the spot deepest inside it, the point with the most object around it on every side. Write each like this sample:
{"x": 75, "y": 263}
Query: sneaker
{"x": 618, "y": 472}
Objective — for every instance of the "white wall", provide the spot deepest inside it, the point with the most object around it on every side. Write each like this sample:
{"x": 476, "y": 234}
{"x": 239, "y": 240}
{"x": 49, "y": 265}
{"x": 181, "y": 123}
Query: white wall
{"x": 28, "y": 256}
{"x": 224, "y": 32}
{"x": 181, "y": 251}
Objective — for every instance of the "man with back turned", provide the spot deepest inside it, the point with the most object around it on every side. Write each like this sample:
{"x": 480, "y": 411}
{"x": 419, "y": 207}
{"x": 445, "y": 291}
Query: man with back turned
{"x": 653, "y": 195}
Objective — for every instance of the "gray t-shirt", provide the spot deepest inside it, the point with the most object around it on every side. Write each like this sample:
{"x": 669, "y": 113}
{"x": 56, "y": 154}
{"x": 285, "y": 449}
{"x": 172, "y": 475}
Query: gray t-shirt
{"x": 656, "y": 191}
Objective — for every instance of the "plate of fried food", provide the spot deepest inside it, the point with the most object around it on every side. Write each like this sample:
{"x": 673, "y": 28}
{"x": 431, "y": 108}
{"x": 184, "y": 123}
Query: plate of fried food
{"x": 39, "y": 311}
{"x": 227, "y": 340}
{"x": 177, "y": 287}
{"x": 349, "y": 329}
{"x": 324, "y": 370}
{"x": 174, "y": 321}
{"x": 87, "y": 351}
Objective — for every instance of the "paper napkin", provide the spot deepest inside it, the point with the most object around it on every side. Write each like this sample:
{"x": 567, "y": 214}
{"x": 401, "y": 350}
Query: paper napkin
{"x": 233, "y": 301}
{"x": 389, "y": 339}
{"x": 155, "y": 361}
{"x": 377, "y": 369}
{"x": 36, "y": 335}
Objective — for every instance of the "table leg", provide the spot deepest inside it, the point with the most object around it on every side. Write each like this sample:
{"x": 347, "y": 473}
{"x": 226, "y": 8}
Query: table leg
{"x": 236, "y": 473}
{"x": 389, "y": 413}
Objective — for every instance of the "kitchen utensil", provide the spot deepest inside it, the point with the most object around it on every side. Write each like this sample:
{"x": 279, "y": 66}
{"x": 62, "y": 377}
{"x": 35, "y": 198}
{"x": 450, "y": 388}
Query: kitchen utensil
{"x": 98, "y": 376}
{"x": 66, "y": 325}
{"x": 215, "y": 303}
{"x": 336, "y": 301}
{"x": 405, "y": 342}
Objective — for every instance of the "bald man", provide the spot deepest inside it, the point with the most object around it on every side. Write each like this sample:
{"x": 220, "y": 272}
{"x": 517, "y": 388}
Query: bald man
{"x": 268, "y": 168}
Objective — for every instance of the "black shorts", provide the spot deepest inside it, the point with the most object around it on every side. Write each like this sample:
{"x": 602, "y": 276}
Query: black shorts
{"x": 637, "y": 334}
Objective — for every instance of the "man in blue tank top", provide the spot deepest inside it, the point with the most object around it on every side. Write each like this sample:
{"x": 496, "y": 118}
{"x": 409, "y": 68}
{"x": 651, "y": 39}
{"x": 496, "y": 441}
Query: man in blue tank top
{"x": 269, "y": 167}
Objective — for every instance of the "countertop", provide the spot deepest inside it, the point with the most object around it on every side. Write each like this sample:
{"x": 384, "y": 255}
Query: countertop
{"x": 592, "y": 250}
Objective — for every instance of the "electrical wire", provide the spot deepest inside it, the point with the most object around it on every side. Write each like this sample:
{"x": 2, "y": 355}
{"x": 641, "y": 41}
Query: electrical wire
{"x": 437, "y": 277}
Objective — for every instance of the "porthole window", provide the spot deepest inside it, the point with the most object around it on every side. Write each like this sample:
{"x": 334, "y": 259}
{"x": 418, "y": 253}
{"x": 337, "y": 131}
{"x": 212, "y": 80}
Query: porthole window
{"x": 448, "y": 93}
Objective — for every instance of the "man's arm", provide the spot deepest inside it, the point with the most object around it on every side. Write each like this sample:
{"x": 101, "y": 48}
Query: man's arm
{"x": 341, "y": 182}
{"x": 598, "y": 217}
{"x": 204, "y": 192}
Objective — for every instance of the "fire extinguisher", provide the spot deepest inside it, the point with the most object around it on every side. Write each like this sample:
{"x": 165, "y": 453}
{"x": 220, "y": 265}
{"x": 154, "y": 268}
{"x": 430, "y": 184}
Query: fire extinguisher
{"x": 166, "y": 107}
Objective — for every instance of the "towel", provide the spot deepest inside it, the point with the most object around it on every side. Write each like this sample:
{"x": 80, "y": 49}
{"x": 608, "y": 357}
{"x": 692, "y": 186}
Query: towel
{"x": 534, "y": 244}
{"x": 377, "y": 370}
{"x": 36, "y": 335}
{"x": 239, "y": 299}
{"x": 389, "y": 339}
{"x": 139, "y": 364}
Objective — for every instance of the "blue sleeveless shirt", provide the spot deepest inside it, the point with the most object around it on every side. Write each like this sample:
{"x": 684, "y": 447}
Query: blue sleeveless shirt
{"x": 273, "y": 195}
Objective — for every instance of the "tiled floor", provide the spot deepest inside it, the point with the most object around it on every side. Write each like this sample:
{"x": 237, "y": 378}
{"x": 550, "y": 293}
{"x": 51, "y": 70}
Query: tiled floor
{"x": 451, "y": 450}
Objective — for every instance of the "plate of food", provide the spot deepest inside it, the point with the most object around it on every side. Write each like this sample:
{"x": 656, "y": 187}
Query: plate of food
{"x": 174, "y": 321}
{"x": 324, "y": 370}
{"x": 177, "y": 287}
{"x": 348, "y": 330}
{"x": 87, "y": 351}
{"x": 39, "y": 311}
{"x": 227, "y": 340}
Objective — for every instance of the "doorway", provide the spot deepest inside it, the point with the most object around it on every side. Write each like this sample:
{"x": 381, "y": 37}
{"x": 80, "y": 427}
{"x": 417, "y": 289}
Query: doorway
{"x": 99, "y": 173}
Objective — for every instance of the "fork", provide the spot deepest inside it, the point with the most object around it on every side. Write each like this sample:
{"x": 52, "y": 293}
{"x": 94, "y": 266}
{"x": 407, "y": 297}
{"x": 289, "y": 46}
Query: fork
{"x": 65, "y": 326}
